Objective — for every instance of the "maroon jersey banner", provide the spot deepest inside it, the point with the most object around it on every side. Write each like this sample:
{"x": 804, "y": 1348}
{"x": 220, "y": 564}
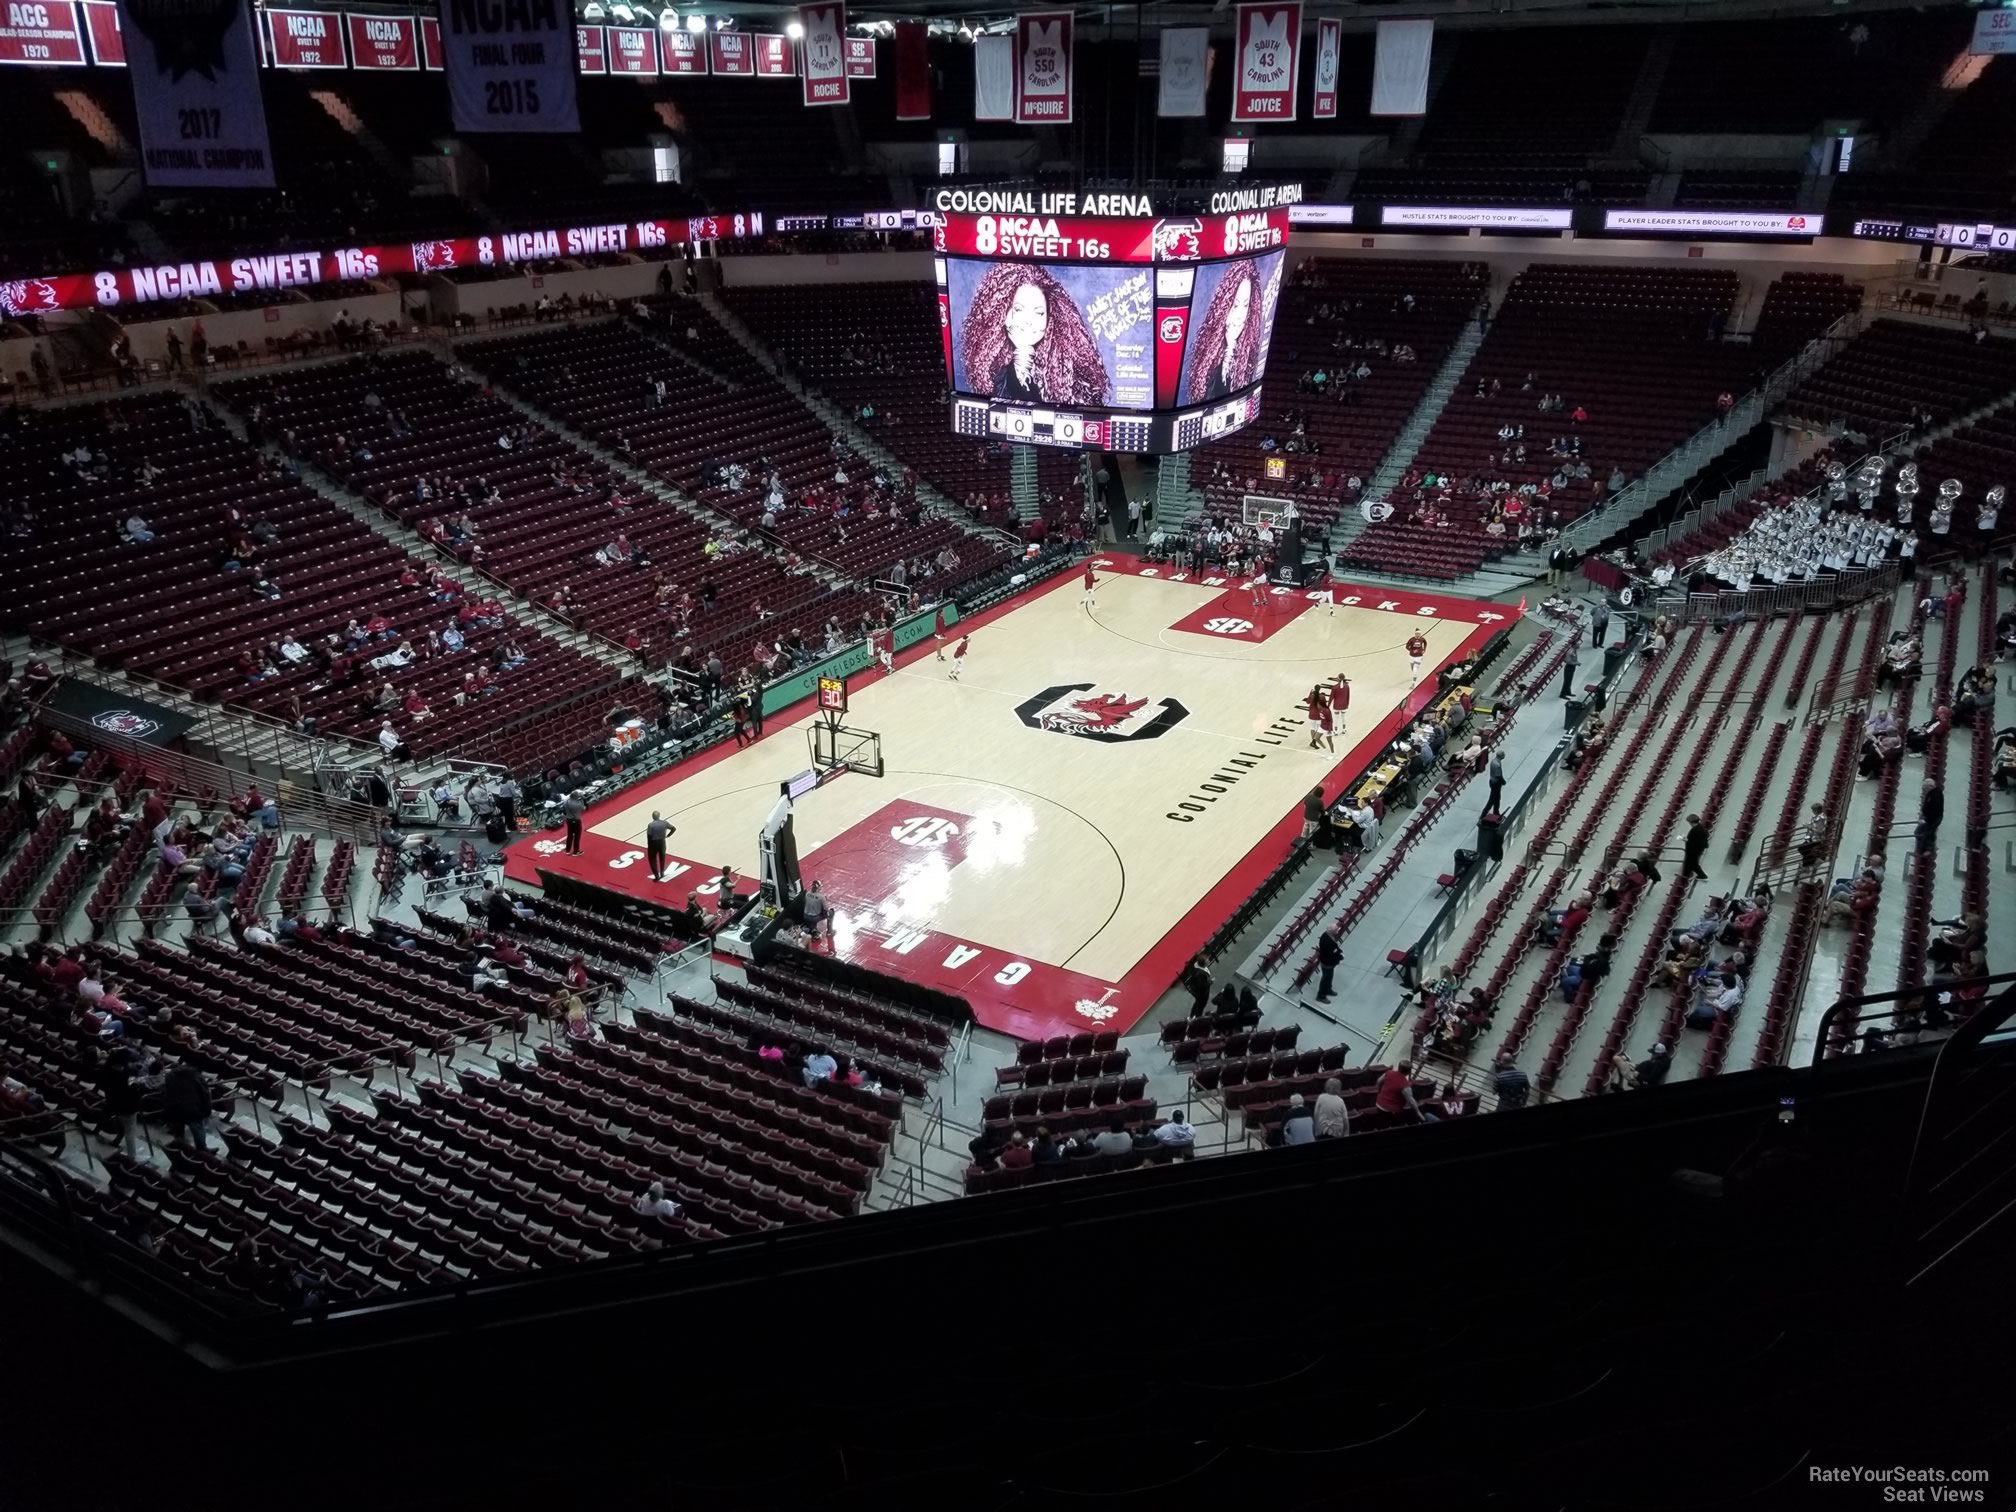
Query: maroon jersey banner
{"x": 682, "y": 53}
{"x": 44, "y": 32}
{"x": 305, "y": 39}
{"x": 1329, "y": 50}
{"x": 823, "y": 49}
{"x": 913, "y": 72}
{"x": 101, "y": 20}
{"x": 384, "y": 42}
{"x": 1267, "y": 50}
{"x": 633, "y": 51}
{"x": 773, "y": 56}
{"x": 1043, "y": 68}
{"x": 732, "y": 53}
{"x": 860, "y": 57}
{"x": 430, "y": 44}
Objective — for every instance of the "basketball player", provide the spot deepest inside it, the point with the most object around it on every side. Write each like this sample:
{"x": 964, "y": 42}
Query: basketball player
{"x": 1340, "y": 700}
{"x": 959, "y": 657}
{"x": 938, "y": 633}
{"x": 1417, "y": 647}
{"x": 1259, "y": 589}
{"x": 884, "y": 644}
{"x": 1091, "y": 598}
{"x": 1327, "y": 721}
{"x": 1316, "y": 707}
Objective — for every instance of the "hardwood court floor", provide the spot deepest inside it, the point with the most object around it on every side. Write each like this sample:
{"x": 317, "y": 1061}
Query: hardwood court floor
{"x": 1061, "y": 827}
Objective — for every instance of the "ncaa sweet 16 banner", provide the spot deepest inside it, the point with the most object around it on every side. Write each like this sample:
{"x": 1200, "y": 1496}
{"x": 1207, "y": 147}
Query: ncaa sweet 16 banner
{"x": 510, "y": 65}
{"x": 1266, "y": 57}
{"x": 195, "y": 70}
{"x": 824, "y": 49}
{"x": 1043, "y": 68}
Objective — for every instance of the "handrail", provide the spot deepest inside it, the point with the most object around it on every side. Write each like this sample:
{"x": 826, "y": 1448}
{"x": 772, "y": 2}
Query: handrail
{"x": 1907, "y": 999}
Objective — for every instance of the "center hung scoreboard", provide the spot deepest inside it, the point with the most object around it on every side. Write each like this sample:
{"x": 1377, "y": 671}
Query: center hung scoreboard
{"x": 1123, "y": 322}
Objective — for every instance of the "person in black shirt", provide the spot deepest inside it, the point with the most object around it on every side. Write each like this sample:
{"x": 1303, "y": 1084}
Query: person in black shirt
{"x": 1329, "y": 951}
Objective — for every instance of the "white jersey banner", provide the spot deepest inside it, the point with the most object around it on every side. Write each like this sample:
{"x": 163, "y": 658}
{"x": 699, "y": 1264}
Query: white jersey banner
{"x": 1329, "y": 54}
{"x": 1267, "y": 53}
{"x": 1400, "y": 68}
{"x": 823, "y": 54}
{"x": 993, "y": 78}
{"x": 1186, "y": 71}
{"x": 195, "y": 71}
{"x": 1043, "y": 68}
{"x": 510, "y": 65}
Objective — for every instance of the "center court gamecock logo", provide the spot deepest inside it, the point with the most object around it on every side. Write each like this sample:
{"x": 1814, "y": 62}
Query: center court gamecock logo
{"x": 125, "y": 722}
{"x": 1090, "y": 713}
{"x": 549, "y": 847}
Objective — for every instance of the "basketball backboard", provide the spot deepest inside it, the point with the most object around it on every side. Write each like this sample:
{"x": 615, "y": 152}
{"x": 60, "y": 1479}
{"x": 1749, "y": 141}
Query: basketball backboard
{"x": 834, "y": 745}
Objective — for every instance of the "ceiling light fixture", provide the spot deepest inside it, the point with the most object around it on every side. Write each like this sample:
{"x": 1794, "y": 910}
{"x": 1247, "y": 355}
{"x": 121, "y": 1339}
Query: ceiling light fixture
{"x": 696, "y": 23}
{"x": 794, "y": 29}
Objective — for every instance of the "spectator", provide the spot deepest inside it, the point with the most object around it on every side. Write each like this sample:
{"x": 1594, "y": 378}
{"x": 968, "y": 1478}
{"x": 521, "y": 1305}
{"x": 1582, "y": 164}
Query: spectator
{"x": 1512, "y": 1085}
{"x": 1333, "y": 1114}
{"x": 655, "y": 1204}
{"x": 819, "y": 1066}
{"x": 1931, "y": 809}
{"x": 1115, "y": 1140}
{"x": 121, "y": 1097}
{"x": 1298, "y": 1127}
{"x": 1651, "y": 1071}
{"x": 256, "y": 933}
{"x": 1396, "y": 1092}
{"x": 185, "y": 1103}
{"x": 1329, "y": 952}
{"x": 1016, "y": 1154}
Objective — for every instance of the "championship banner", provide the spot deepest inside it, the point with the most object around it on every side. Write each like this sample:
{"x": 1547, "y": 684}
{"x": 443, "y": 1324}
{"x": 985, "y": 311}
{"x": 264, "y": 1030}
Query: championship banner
{"x": 384, "y": 43}
{"x": 773, "y": 56}
{"x": 633, "y": 52}
{"x": 731, "y": 55}
{"x": 1400, "y": 68}
{"x": 305, "y": 39}
{"x": 681, "y": 52}
{"x": 510, "y": 67}
{"x": 430, "y": 44}
{"x": 1329, "y": 54}
{"x": 44, "y": 32}
{"x": 591, "y": 51}
{"x": 1186, "y": 71}
{"x": 101, "y": 20}
{"x": 860, "y": 57}
{"x": 1043, "y": 68}
{"x": 1267, "y": 48}
{"x": 195, "y": 69}
{"x": 913, "y": 72}
{"x": 824, "y": 53}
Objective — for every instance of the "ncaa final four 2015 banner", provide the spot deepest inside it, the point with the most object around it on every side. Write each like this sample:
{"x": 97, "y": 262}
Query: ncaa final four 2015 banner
{"x": 824, "y": 51}
{"x": 1043, "y": 68}
{"x": 1329, "y": 56}
{"x": 195, "y": 71}
{"x": 510, "y": 65}
{"x": 1266, "y": 55}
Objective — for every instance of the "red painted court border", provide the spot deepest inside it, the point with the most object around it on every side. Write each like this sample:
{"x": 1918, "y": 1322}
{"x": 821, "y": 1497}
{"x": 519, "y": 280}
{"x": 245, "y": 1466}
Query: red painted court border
{"x": 1135, "y": 994}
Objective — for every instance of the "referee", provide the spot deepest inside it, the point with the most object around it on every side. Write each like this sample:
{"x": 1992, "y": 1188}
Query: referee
{"x": 655, "y": 834}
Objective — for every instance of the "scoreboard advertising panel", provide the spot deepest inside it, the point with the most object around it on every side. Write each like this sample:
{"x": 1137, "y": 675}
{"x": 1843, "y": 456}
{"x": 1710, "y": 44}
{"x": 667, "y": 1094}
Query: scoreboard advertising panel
{"x": 1139, "y": 333}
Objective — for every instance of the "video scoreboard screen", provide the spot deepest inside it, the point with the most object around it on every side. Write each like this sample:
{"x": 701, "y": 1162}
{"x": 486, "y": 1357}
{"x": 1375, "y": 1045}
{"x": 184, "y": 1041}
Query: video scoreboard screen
{"x": 1120, "y": 332}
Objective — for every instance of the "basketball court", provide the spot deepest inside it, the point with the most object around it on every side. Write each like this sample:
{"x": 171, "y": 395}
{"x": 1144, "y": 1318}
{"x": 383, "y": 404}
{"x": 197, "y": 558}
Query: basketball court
{"x": 1061, "y": 828}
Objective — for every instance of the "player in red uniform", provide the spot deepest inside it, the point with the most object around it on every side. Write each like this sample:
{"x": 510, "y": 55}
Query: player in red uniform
{"x": 1091, "y": 598}
{"x": 959, "y": 656}
{"x": 1327, "y": 722}
{"x": 1317, "y": 706}
{"x": 938, "y": 633}
{"x": 1417, "y": 647}
{"x": 883, "y": 644}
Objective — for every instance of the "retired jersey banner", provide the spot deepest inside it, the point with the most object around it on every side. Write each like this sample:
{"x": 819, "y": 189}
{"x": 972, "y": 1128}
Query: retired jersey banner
{"x": 633, "y": 52}
{"x": 101, "y": 20}
{"x": 1400, "y": 68}
{"x": 45, "y": 32}
{"x": 195, "y": 70}
{"x": 591, "y": 50}
{"x": 860, "y": 57}
{"x": 913, "y": 72}
{"x": 384, "y": 42}
{"x": 1329, "y": 57}
{"x": 682, "y": 52}
{"x": 430, "y": 44}
{"x": 1267, "y": 51}
{"x": 1043, "y": 68}
{"x": 824, "y": 53}
{"x": 730, "y": 53}
{"x": 510, "y": 65}
{"x": 1186, "y": 71}
{"x": 993, "y": 78}
{"x": 773, "y": 56}
{"x": 305, "y": 39}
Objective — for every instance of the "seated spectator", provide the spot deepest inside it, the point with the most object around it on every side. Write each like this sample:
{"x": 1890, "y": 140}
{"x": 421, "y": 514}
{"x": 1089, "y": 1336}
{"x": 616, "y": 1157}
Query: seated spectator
{"x": 1115, "y": 1140}
{"x": 1016, "y": 1154}
{"x": 1716, "y": 1000}
{"x": 655, "y": 1204}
